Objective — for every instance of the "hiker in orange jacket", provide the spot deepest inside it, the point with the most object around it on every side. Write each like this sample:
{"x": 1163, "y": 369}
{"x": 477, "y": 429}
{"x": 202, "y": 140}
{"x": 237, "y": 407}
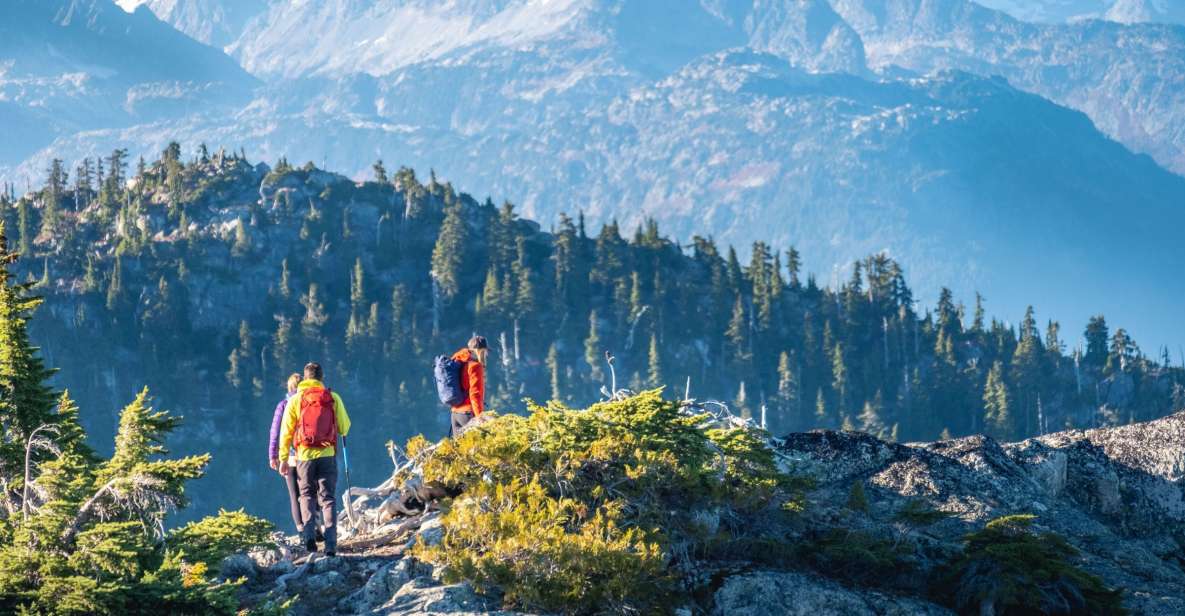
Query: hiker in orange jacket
{"x": 473, "y": 381}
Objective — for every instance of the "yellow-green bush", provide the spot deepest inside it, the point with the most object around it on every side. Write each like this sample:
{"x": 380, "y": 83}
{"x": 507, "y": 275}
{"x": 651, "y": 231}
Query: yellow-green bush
{"x": 213, "y": 538}
{"x": 580, "y": 511}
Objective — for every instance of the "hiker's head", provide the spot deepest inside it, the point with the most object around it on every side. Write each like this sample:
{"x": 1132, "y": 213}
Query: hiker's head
{"x": 293, "y": 382}
{"x": 312, "y": 371}
{"x": 479, "y": 347}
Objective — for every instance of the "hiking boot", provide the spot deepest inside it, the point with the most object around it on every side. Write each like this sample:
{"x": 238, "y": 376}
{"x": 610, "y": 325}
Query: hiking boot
{"x": 331, "y": 553}
{"x": 311, "y": 545}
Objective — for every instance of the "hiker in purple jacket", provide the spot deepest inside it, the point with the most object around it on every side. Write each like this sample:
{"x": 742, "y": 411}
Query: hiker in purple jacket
{"x": 273, "y": 454}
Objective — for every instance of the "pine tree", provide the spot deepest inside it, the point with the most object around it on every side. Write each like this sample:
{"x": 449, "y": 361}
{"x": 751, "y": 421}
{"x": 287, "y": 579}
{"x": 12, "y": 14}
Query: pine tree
{"x": 553, "y": 371}
{"x": 242, "y": 241}
{"x": 380, "y": 172}
{"x": 793, "y": 266}
{"x": 654, "y": 370}
{"x": 55, "y": 188}
{"x": 1097, "y": 337}
{"x": 593, "y": 353}
{"x": 870, "y": 417}
{"x": 24, "y": 228}
{"x": 839, "y": 378}
{"x": 26, "y": 400}
{"x": 449, "y": 253}
{"x": 997, "y": 403}
{"x": 737, "y": 338}
{"x": 115, "y": 286}
{"x": 788, "y": 393}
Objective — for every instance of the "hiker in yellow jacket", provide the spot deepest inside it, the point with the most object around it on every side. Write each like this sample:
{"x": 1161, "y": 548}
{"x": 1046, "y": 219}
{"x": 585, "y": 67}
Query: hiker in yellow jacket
{"x": 313, "y": 419}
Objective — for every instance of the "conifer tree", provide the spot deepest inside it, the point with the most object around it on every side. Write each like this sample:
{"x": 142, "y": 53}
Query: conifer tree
{"x": 788, "y": 393}
{"x": 553, "y": 371}
{"x": 24, "y": 228}
{"x": 737, "y": 338}
{"x": 997, "y": 404}
{"x": 26, "y": 400}
{"x": 380, "y": 172}
{"x": 1097, "y": 337}
{"x": 593, "y": 351}
{"x": 654, "y": 371}
{"x": 449, "y": 253}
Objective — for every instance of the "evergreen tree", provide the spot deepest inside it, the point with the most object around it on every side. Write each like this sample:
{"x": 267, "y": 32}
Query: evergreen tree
{"x": 26, "y": 400}
{"x": 1097, "y": 337}
{"x": 380, "y": 172}
{"x": 448, "y": 254}
{"x": 870, "y": 417}
{"x": 654, "y": 371}
{"x": 593, "y": 353}
{"x": 997, "y": 403}
{"x": 788, "y": 393}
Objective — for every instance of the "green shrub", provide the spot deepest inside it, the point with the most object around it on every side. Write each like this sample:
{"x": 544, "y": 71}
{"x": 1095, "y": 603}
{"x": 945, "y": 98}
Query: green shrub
{"x": 857, "y": 499}
{"x": 213, "y": 538}
{"x": 1012, "y": 569}
{"x": 917, "y": 513}
{"x": 595, "y": 510}
{"x": 859, "y": 557}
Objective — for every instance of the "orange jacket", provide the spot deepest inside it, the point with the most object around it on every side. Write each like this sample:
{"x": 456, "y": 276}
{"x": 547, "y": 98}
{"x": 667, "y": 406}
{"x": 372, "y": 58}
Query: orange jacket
{"x": 473, "y": 381}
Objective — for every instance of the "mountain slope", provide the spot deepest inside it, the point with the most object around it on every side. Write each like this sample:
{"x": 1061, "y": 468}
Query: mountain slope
{"x": 980, "y": 186}
{"x": 1130, "y": 79}
{"x": 71, "y": 65}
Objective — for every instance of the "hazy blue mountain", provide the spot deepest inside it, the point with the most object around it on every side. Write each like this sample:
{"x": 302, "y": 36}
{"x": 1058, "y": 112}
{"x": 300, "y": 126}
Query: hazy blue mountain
{"x": 213, "y": 22}
{"x": 71, "y": 65}
{"x": 1123, "y": 11}
{"x": 1130, "y": 79}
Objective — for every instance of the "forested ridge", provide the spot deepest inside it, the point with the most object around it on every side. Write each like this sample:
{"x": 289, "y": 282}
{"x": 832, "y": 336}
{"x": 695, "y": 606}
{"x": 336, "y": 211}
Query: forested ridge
{"x": 211, "y": 279}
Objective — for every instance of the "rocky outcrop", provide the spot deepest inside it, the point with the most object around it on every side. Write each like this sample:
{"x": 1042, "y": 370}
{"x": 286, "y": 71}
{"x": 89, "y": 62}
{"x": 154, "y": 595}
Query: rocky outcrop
{"x": 1116, "y": 494}
{"x": 793, "y": 594}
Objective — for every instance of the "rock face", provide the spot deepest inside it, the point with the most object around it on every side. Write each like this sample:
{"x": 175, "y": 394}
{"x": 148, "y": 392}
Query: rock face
{"x": 1116, "y": 494}
{"x": 792, "y": 594}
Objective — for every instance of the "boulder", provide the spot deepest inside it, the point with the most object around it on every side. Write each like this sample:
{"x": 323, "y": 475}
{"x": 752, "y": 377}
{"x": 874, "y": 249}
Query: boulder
{"x": 237, "y": 566}
{"x": 764, "y": 593}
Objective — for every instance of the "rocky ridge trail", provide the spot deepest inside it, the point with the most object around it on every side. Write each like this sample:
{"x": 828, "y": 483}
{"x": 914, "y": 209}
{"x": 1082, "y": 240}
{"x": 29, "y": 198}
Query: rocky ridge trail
{"x": 1114, "y": 493}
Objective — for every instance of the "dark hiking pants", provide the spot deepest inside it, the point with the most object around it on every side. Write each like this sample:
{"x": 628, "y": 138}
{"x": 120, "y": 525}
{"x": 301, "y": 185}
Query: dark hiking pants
{"x": 459, "y": 421}
{"x": 294, "y": 499}
{"x": 318, "y": 484}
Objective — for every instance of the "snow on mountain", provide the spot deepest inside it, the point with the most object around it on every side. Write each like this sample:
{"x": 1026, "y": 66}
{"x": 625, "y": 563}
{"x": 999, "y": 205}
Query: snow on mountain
{"x": 212, "y": 22}
{"x": 1050, "y": 11}
{"x": 1147, "y": 11}
{"x": 1130, "y": 79}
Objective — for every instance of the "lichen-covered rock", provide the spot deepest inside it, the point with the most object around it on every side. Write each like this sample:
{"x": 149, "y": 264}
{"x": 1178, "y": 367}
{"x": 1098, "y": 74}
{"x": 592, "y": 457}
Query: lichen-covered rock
{"x": 765, "y": 593}
{"x": 379, "y": 589}
{"x": 423, "y": 595}
{"x": 237, "y": 566}
{"x": 1115, "y": 494}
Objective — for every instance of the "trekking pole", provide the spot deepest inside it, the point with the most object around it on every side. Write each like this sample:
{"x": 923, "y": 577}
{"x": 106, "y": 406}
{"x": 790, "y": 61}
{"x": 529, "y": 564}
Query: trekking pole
{"x": 349, "y": 489}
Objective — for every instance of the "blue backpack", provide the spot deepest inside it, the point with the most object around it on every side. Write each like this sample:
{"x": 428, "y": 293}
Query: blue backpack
{"x": 447, "y": 372}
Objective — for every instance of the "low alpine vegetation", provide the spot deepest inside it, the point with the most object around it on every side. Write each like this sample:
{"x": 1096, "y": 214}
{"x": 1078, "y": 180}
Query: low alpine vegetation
{"x": 1008, "y": 568}
{"x": 603, "y": 509}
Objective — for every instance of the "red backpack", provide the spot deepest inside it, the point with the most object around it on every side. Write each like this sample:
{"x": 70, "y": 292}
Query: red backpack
{"x": 318, "y": 421}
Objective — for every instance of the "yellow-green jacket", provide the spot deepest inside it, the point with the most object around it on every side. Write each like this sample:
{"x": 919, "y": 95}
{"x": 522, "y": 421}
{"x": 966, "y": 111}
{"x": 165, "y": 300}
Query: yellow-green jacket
{"x": 292, "y": 417}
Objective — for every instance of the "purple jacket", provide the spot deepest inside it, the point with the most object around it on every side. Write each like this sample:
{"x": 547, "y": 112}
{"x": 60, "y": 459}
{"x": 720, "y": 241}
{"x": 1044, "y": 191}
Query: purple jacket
{"x": 273, "y": 443}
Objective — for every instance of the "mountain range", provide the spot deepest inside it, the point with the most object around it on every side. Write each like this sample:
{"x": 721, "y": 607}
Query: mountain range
{"x": 1023, "y": 159}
